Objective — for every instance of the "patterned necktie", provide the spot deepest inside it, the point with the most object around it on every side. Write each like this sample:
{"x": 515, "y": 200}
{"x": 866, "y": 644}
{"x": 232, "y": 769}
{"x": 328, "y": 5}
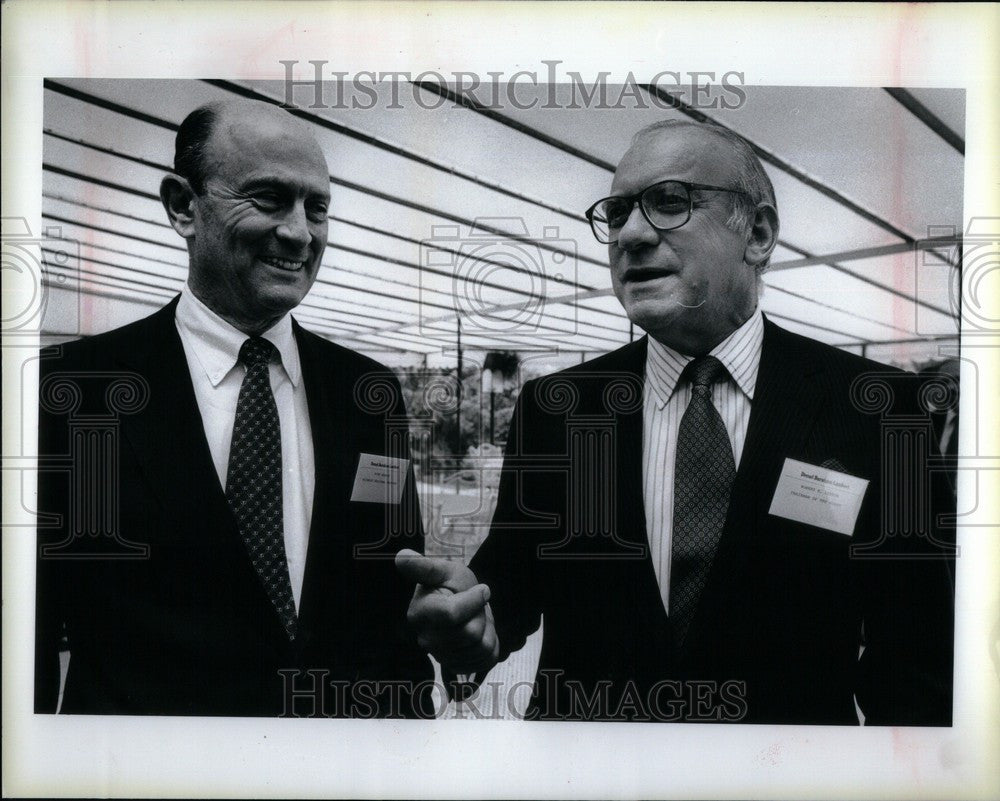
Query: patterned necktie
{"x": 703, "y": 478}
{"x": 253, "y": 483}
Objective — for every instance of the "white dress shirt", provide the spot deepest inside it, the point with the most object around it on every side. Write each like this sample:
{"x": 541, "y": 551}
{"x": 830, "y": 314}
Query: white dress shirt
{"x": 663, "y": 406}
{"x": 212, "y": 347}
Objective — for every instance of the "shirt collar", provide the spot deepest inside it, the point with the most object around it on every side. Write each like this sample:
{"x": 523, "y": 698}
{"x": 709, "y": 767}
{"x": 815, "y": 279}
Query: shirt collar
{"x": 739, "y": 352}
{"x": 218, "y": 343}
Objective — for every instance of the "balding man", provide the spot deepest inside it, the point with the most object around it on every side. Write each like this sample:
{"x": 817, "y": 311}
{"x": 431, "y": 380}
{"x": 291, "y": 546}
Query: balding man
{"x": 697, "y": 518}
{"x": 242, "y": 572}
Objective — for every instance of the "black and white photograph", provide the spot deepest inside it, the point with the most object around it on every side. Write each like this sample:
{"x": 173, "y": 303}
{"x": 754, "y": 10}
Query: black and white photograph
{"x": 392, "y": 414}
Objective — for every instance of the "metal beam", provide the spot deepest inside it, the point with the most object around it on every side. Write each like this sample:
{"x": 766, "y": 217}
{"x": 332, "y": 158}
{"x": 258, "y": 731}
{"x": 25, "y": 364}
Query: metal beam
{"x": 927, "y": 117}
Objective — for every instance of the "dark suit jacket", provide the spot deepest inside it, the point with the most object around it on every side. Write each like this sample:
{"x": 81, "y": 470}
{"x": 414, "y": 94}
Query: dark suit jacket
{"x": 777, "y": 632}
{"x": 162, "y": 609}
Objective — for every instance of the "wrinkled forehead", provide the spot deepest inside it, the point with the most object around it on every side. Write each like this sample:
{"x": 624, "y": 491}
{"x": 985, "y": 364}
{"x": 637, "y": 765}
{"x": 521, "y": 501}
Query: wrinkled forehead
{"x": 684, "y": 153}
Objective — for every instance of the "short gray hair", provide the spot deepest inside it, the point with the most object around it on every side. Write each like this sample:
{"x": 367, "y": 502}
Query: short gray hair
{"x": 750, "y": 176}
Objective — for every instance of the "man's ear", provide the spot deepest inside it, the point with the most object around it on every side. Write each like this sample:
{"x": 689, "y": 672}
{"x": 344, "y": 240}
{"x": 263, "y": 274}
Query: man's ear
{"x": 763, "y": 235}
{"x": 178, "y": 197}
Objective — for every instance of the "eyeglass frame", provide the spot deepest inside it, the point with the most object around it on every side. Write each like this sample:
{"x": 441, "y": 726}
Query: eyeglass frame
{"x": 637, "y": 198}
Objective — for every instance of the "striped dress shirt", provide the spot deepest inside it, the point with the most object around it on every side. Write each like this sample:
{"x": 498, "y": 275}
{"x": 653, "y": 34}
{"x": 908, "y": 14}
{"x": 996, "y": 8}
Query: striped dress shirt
{"x": 664, "y": 403}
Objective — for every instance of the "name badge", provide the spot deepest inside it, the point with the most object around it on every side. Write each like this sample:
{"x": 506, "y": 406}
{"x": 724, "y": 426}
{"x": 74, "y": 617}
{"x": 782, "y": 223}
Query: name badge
{"x": 818, "y": 496}
{"x": 380, "y": 479}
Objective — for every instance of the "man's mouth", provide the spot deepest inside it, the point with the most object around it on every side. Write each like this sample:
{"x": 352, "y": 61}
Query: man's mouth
{"x": 283, "y": 264}
{"x": 636, "y": 275}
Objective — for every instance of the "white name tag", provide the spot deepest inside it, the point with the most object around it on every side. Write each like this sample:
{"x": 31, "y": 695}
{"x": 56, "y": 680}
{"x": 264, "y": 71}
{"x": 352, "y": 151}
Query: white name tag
{"x": 818, "y": 496}
{"x": 379, "y": 479}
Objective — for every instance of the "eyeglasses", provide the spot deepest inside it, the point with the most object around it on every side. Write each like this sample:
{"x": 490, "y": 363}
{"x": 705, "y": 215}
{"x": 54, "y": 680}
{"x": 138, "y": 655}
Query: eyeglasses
{"x": 665, "y": 205}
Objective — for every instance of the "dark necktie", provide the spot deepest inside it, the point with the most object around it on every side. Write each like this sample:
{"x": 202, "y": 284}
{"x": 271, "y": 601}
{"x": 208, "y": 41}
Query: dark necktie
{"x": 703, "y": 478}
{"x": 253, "y": 484}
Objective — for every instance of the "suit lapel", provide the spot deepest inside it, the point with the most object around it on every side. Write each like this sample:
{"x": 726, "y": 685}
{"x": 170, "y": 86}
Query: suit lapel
{"x": 168, "y": 437}
{"x": 334, "y": 453}
{"x": 640, "y": 586}
{"x": 786, "y": 401}
{"x": 628, "y": 462}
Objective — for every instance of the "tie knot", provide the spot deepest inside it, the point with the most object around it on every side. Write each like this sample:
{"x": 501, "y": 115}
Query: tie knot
{"x": 705, "y": 371}
{"x": 256, "y": 350}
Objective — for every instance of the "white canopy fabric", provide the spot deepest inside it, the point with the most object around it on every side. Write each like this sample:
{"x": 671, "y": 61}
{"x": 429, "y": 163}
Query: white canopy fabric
{"x": 863, "y": 176}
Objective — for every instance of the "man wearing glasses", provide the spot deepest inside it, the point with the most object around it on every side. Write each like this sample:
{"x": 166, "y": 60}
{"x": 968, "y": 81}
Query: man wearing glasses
{"x": 698, "y": 517}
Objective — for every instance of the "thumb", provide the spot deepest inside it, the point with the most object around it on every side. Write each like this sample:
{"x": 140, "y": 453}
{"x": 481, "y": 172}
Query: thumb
{"x": 421, "y": 569}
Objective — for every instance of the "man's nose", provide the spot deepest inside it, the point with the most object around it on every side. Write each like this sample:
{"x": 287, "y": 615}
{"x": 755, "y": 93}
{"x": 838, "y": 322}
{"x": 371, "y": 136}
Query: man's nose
{"x": 294, "y": 227}
{"x": 637, "y": 232}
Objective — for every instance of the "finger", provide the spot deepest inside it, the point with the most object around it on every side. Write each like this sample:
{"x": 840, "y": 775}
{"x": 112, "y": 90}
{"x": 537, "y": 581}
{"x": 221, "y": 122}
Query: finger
{"x": 448, "y": 612}
{"x": 424, "y": 570}
{"x": 479, "y": 651}
{"x": 481, "y": 654}
{"x": 455, "y": 639}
